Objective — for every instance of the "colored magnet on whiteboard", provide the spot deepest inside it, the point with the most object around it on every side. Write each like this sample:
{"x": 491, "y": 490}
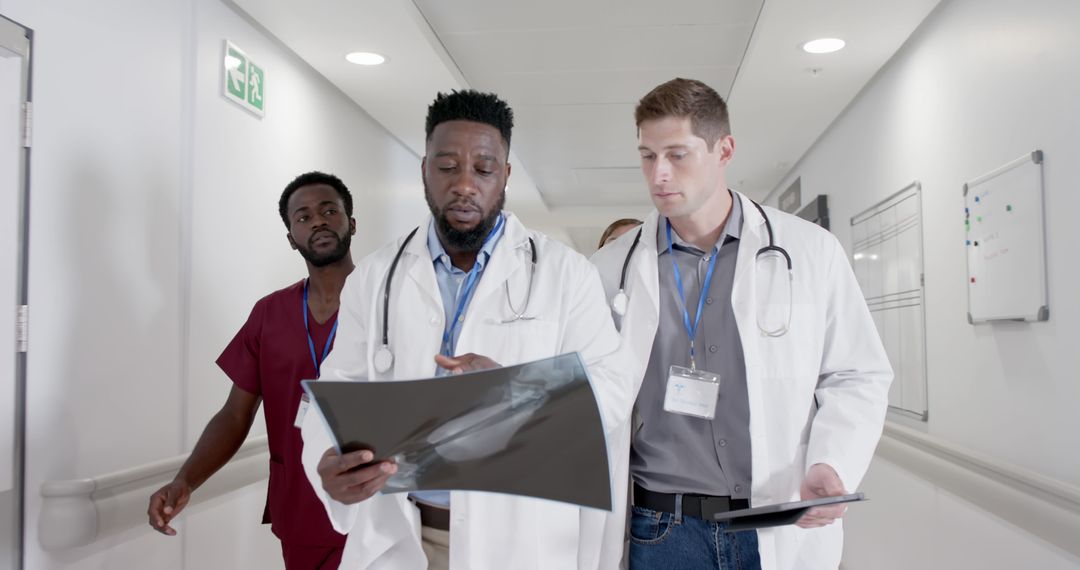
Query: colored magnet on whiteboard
{"x": 968, "y": 242}
{"x": 1008, "y": 208}
{"x": 976, "y": 244}
{"x": 976, "y": 199}
{"x": 979, "y": 218}
{"x": 972, "y": 279}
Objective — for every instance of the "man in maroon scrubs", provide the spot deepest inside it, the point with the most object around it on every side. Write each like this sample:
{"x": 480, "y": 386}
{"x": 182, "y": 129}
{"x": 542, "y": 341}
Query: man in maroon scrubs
{"x": 283, "y": 342}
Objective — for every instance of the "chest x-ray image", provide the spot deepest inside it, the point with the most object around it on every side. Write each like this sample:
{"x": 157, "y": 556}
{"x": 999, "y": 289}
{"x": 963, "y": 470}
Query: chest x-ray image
{"x": 531, "y": 429}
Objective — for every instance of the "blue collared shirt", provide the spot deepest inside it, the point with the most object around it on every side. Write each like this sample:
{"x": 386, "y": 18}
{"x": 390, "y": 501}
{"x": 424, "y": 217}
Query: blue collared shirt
{"x": 451, "y": 282}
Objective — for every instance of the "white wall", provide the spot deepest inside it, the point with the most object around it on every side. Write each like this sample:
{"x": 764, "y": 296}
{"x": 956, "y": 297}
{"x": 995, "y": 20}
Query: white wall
{"x": 154, "y": 228}
{"x": 241, "y": 164}
{"x": 979, "y": 84}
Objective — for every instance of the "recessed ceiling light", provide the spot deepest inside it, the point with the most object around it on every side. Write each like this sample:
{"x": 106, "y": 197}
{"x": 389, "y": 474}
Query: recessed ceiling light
{"x": 365, "y": 58}
{"x": 824, "y": 45}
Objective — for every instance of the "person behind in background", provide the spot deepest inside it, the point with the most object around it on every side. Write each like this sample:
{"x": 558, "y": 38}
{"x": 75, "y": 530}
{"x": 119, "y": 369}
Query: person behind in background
{"x": 284, "y": 340}
{"x": 616, "y": 229}
{"x": 763, "y": 379}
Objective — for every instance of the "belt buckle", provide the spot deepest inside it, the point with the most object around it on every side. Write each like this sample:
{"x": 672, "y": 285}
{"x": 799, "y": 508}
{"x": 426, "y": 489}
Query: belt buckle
{"x": 713, "y": 505}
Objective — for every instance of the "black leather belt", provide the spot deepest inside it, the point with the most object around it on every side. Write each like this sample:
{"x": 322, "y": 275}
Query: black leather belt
{"x": 434, "y": 517}
{"x": 699, "y": 506}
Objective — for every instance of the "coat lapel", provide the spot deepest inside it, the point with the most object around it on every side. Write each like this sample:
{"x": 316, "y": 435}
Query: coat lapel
{"x": 510, "y": 255}
{"x": 643, "y": 281}
{"x": 417, "y": 265}
{"x": 752, "y": 238}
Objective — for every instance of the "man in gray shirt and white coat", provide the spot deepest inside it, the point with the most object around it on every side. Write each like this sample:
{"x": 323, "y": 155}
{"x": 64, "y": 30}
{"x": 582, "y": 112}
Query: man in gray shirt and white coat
{"x": 763, "y": 379}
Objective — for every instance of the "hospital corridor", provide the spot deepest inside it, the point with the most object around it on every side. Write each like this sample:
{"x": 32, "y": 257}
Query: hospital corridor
{"x": 644, "y": 264}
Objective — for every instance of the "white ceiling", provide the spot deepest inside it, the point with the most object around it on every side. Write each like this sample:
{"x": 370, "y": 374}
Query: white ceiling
{"x": 573, "y": 69}
{"x": 778, "y": 108}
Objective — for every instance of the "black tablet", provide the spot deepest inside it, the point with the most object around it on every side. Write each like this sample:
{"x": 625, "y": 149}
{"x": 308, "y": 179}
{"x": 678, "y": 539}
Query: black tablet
{"x": 780, "y": 513}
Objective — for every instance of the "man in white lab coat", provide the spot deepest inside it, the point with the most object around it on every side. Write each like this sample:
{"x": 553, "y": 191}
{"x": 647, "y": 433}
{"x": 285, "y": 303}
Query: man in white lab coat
{"x": 755, "y": 387}
{"x": 460, "y": 283}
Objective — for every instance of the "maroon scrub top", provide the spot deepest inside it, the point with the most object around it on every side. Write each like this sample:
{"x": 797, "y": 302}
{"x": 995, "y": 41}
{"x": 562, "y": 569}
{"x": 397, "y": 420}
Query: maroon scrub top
{"x": 269, "y": 357}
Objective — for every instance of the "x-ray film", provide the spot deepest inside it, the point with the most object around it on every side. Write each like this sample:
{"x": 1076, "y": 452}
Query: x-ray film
{"x": 530, "y": 429}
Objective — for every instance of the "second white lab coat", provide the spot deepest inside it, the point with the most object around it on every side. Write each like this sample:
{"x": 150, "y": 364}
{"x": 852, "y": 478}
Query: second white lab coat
{"x": 832, "y": 353}
{"x": 487, "y": 530}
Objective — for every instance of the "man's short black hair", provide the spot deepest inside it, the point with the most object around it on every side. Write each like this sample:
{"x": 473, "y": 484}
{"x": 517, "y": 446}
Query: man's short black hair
{"x": 308, "y": 179}
{"x": 470, "y": 105}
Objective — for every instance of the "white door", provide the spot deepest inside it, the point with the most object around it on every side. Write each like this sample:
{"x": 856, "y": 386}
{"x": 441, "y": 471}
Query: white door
{"x": 14, "y": 157}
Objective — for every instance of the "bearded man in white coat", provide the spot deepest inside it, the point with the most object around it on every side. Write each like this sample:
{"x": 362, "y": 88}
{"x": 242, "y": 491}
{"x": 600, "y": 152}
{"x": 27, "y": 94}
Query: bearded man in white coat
{"x": 758, "y": 314}
{"x": 458, "y": 281}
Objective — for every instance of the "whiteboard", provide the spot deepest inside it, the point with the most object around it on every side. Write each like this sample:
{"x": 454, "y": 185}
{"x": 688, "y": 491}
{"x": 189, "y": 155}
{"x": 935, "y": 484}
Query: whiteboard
{"x": 1006, "y": 243}
{"x": 887, "y": 255}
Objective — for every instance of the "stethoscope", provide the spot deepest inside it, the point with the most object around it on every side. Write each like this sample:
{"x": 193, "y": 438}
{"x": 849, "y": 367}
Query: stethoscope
{"x": 384, "y": 356}
{"x": 621, "y": 301}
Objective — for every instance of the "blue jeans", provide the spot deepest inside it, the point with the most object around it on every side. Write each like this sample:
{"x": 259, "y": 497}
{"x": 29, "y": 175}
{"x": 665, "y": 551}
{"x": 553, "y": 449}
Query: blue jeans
{"x": 673, "y": 541}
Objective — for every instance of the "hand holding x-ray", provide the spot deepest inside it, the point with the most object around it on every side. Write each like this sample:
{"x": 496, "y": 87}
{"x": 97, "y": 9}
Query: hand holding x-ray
{"x": 515, "y": 429}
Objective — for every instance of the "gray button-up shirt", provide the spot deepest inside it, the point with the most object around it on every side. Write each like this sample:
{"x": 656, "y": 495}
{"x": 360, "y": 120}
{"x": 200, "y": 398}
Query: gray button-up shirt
{"x": 674, "y": 453}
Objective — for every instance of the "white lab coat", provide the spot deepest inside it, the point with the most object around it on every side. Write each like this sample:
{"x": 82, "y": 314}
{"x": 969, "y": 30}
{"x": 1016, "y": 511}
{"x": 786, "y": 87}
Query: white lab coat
{"x": 832, "y": 351}
{"x": 487, "y": 530}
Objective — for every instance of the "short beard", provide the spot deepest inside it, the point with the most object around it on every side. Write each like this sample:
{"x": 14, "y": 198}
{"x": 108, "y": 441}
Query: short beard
{"x": 464, "y": 240}
{"x": 334, "y": 256}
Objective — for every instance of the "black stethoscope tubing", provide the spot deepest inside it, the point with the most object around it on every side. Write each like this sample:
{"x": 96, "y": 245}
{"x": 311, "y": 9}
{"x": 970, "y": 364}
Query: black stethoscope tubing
{"x": 626, "y": 262}
{"x": 386, "y": 290}
{"x": 772, "y": 244}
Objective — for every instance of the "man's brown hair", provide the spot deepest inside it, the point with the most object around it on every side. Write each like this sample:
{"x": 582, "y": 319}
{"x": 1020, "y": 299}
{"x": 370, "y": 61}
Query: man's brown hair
{"x": 681, "y": 98}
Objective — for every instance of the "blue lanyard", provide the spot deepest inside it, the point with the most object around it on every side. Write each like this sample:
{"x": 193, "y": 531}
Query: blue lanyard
{"x": 691, "y": 331}
{"x": 311, "y": 343}
{"x": 470, "y": 283}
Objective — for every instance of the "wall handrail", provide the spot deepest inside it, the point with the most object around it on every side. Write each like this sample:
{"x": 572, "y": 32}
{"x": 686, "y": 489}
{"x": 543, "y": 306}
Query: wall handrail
{"x": 78, "y": 512}
{"x": 1022, "y": 479}
{"x": 1043, "y": 506}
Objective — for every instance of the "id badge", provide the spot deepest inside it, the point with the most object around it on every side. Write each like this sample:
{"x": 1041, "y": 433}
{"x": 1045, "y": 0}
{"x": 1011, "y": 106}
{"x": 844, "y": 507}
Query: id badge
{"x": 301, "y": 410}
{"x": 691, "y": 392}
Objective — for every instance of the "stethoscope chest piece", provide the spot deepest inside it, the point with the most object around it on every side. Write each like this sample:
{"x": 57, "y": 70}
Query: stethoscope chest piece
{"x": 384, "y": 359}
{"x": 620, "y": 303}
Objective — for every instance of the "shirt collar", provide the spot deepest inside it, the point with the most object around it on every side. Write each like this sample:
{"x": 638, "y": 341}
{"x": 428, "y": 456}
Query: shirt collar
{"x": 439, "y": 255}
{"x": 732, "y": 229}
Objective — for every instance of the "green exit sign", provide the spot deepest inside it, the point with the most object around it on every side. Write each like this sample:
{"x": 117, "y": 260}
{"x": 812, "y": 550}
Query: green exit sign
{"x": 245, "y": 80}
